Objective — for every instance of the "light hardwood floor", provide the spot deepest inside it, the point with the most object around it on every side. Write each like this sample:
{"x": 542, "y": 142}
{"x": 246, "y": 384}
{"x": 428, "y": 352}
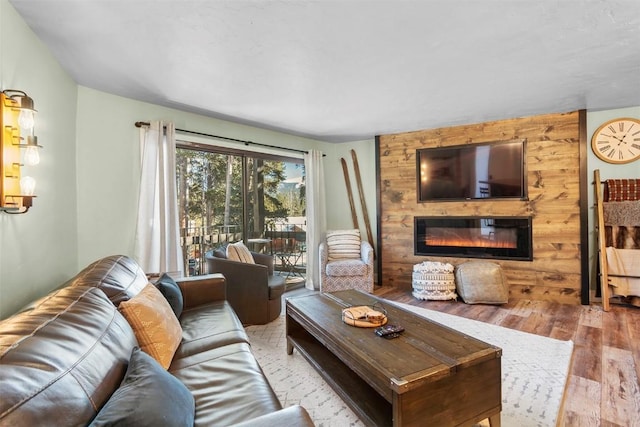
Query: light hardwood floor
{"x": 603, "y": 387}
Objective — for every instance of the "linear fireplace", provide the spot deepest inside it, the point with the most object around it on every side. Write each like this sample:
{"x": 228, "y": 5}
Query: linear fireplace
{"x": 474, "y": 237}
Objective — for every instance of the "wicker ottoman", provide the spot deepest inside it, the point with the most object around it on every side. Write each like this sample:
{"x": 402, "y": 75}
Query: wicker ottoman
{"x": 434, "y": 281}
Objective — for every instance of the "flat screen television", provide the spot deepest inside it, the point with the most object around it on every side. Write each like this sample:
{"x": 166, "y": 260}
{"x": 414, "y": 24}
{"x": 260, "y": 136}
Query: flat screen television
{"x": 492, "y": 170}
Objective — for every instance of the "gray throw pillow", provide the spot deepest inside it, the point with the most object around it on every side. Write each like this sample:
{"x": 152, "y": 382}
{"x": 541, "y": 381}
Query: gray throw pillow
{"x": 171, "y": 291}
{"x": 148, "y": 396}
{"x": 220, "y": 253}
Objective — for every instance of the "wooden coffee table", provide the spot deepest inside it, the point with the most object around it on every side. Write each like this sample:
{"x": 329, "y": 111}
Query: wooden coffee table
{"x": 430, "y": 375}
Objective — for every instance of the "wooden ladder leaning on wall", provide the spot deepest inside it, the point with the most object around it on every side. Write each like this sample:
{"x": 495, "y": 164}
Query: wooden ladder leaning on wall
{"x": 602, "y": 247}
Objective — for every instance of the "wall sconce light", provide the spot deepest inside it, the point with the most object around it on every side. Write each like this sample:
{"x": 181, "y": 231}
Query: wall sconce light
{"x": 17, "y": 115}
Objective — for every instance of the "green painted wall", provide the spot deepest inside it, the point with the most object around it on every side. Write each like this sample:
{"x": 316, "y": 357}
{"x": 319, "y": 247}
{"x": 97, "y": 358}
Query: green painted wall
{"x": 38, "y": 250}
{"x": 108, "y": 161}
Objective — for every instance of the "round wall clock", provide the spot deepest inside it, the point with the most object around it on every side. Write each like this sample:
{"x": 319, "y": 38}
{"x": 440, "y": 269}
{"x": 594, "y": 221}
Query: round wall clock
{"x": 617, "y": 141}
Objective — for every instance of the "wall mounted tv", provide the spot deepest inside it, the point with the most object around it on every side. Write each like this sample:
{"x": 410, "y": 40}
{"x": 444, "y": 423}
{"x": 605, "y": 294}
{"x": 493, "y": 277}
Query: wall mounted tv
{"x": 491, "y": 170}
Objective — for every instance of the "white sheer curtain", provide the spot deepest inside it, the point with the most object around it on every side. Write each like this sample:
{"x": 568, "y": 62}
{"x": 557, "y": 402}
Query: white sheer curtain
{"x": 157, "y": 244}
{"x": 316, "y": 214}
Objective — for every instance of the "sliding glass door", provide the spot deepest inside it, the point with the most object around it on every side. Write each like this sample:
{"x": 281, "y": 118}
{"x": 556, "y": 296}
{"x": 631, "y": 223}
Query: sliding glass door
{"x": 227, "y": 196}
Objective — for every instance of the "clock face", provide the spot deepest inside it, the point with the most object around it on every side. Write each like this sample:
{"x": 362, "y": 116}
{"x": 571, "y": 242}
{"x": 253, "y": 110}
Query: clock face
{"x": 617, "y": 141}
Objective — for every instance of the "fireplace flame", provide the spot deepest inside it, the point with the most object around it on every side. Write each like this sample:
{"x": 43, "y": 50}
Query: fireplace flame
{"x": 479, "y": 242}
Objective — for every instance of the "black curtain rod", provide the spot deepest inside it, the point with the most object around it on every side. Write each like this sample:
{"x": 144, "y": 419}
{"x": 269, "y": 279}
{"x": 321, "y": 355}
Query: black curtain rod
{"x": 140, "y": 124}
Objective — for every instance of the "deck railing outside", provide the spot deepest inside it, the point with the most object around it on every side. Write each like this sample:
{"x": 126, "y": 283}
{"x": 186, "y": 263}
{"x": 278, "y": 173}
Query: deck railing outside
{"x": 285, "y": 241}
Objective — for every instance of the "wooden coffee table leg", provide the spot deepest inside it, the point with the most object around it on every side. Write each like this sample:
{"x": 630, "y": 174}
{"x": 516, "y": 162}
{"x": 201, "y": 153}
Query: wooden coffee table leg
{"x": 289, "y": 348}
{"x": 494, "y": 420}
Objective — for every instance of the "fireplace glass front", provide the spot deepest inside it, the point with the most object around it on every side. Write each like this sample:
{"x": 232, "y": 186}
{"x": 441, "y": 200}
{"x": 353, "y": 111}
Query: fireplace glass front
{"x": 474, "y": 237}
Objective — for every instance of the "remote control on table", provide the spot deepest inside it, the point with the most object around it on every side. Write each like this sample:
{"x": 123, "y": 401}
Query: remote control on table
{"x": 389, "y": 331}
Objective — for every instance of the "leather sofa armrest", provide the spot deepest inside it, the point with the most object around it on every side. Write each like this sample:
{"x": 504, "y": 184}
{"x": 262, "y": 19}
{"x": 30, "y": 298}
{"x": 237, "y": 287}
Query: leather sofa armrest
{"x": 198, "y": 290}
{"x": 294, "y": 416}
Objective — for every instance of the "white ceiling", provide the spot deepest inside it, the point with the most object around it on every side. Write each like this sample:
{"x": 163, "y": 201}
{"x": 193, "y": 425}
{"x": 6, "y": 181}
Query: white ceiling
{"x": 348, "y": 70}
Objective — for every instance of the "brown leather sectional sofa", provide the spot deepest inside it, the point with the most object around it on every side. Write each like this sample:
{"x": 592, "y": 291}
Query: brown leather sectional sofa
{"x": 62, "y": 358}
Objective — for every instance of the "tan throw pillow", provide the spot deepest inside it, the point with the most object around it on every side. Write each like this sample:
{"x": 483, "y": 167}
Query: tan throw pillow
{"x": 153, "y": 322}
{"x": 343, "y": 244}
{"x": 239, "y": 252}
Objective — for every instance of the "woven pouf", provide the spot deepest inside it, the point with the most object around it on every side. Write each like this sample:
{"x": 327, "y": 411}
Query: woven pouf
{"x": 434, "y": 281}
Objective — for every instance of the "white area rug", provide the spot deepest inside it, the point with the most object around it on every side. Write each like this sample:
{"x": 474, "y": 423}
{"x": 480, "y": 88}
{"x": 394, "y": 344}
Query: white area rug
{"x": 534, "y": 372}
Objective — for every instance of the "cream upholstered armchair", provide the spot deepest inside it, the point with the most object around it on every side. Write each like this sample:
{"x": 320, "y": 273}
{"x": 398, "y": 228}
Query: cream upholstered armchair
{"x": 346, "y": 262}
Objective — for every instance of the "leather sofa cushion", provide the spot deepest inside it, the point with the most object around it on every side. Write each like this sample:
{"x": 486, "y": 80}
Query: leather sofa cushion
{"x": 209, "y": 326}
{"x": 294, "y": 415}
{"x": 228, "y": 385}
{"x": 70, "y": 351}
{"x": 347, "y": 267}
{"x": 118, "y": 276}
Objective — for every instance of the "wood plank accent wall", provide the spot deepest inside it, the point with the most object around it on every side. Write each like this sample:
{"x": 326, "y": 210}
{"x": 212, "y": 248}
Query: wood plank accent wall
{"x": 553, "y": 178}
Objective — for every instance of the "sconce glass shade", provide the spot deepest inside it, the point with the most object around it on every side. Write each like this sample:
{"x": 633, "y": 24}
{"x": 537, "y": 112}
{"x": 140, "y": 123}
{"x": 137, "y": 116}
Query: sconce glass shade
{"x": 27, "y": 185}
{"x": 32, "y": 152}
{"x": 25, "y": 119}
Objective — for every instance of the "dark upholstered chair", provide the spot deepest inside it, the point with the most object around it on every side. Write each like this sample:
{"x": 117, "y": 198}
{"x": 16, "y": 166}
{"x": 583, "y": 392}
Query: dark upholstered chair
{"x": 253, "y": 290}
